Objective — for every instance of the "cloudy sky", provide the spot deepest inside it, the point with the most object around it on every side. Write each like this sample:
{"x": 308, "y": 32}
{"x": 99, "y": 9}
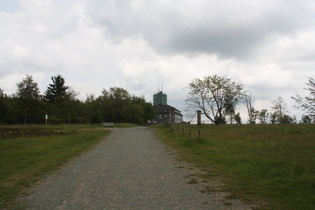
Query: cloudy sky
{"x": 268, "y": 45}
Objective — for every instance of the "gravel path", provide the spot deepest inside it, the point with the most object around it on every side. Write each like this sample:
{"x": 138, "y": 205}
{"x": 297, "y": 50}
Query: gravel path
{"x": 130, "y": 169}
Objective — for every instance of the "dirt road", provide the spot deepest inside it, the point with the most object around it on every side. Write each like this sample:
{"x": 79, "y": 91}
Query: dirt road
{"x": 130, "y": 169}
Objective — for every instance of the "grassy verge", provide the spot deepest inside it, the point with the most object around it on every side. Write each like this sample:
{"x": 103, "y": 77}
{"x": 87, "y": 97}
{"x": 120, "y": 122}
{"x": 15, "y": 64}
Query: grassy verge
{"x": 275, "y": 163}
{"x": 28, "y": 152}
{"x": 125, "y": 125}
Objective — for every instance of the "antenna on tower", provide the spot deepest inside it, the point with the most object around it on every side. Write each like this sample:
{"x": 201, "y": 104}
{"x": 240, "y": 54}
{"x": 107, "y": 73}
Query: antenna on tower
{"x": 159, "y": 85}
{"x": 162, "y": 87}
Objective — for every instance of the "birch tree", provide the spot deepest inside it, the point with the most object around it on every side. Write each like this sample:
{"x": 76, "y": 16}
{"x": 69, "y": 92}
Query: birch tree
{"x": 212, "y": 95}
{"x": 252, "y": 113}
{"x": 307, "y": 103}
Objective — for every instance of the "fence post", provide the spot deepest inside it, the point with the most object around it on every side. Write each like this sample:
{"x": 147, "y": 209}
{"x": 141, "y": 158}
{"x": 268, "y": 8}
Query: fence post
{"x": 198, "y": 117}
{"x": 199, "y": 135}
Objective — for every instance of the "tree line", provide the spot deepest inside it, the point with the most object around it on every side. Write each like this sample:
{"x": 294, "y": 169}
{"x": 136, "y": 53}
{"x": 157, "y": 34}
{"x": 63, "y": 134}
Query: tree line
{"x": 60, "y": 103}
{"x": 217, "y": 97}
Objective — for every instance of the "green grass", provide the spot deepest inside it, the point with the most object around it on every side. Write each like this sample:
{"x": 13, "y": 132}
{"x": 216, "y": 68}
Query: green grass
{"x": 126, "y": 125}
{"x": 38, "y": 151}
{"x": 273, "y": 163}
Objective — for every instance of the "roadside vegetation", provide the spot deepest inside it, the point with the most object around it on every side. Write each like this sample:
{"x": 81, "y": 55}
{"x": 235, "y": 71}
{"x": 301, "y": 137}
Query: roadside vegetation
{"x": 125, "y": 125}
{"x": 29, "y": 152}
{"x": 270, "y": 165}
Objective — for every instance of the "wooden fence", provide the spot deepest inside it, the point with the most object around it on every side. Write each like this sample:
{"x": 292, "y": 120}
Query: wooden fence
{"x": 183, "y": 132}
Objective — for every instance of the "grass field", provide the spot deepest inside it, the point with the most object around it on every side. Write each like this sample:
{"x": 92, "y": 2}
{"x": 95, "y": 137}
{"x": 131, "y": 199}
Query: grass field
{"x": 29, "y": 152}
{"x": 270, "y": 163}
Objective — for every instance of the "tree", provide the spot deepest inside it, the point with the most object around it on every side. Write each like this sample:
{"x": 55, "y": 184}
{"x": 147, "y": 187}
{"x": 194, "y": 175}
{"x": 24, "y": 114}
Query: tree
{"x": 287, "y": 119}
{"x": 148, "y": 111}
{"x": 28, "y": 95}
{"x": 238, "y": 118}
{"x": 58, "y": 97}
{"x": 3, "y": 107}
{"x": 252, "y": 113}
{"x": 135, "y": 114}
{"x": 279, "y": 109}
{"x": 306, "y": 119}
{"x": 230, "y": 111}
{"x": 263, "y": 116}
{"x": 104, "y": 101}
{"x": 92, "y": 111}
{"x": 213, "y": 94}
{"x": 119, "y": 99}
{"x": 119, "y": 93}
{"x": 57, "y": 91}
{"x": 117, "y": 105}
{"x": 141, "y": 111}
{"x": 2, "y": 94}
{"x": 73, "y": 105}
{"x": 307, "y": 103}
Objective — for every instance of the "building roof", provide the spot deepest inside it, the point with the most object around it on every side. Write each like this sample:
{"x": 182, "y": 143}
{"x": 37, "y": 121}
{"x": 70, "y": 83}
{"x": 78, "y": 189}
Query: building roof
{"x": 165, "y": 108}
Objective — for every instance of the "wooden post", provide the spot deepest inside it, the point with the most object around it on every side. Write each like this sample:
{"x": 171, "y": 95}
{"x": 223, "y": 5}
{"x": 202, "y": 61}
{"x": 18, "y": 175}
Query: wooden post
{"x": 198, "y": 117}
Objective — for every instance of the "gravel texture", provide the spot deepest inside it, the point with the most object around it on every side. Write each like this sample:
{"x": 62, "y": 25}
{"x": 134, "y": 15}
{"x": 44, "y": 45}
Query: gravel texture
{"x": 130, "y": 169}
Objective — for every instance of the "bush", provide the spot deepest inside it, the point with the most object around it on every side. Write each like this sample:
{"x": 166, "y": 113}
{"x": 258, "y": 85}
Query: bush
{"x": 167, "y": 124}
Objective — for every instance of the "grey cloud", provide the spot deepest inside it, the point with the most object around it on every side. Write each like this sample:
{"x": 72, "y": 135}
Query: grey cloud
{"x": 114, "y": 17}
{"x": 228, "y": 29}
